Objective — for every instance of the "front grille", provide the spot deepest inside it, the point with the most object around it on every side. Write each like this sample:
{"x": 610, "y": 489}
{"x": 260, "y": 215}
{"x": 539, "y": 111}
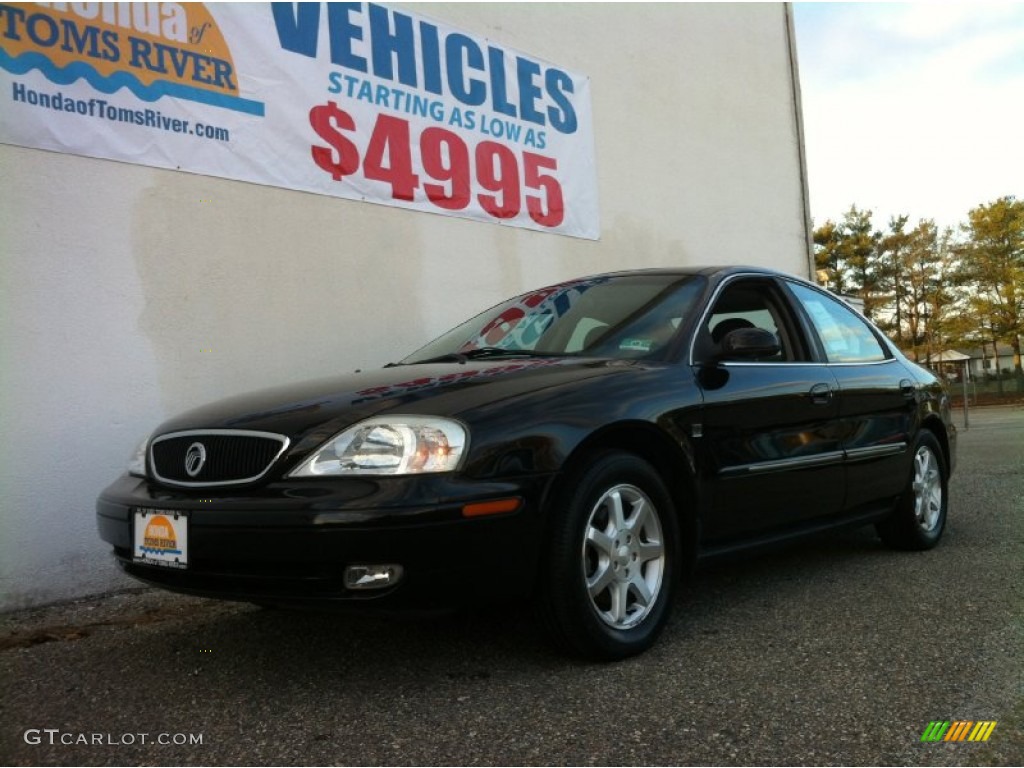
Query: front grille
{"x": 216, "y": 457}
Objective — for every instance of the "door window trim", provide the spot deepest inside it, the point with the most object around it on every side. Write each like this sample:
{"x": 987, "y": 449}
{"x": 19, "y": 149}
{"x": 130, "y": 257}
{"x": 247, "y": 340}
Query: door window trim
{"x": 793, "y": 321}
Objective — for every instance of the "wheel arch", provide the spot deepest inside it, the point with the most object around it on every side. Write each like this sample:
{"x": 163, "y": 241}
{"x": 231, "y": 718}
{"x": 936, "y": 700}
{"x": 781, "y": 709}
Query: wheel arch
{"x": 673, "y": 463}
{"x": 933, "y": 423}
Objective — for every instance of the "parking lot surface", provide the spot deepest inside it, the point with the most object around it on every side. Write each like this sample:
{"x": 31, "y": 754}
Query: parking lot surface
{"x": 831, "y": 651}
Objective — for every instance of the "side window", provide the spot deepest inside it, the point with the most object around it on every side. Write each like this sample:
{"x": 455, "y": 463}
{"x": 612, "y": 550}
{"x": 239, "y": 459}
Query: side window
{"x": 845, "y": 336}
{"x": 749, "y": 304}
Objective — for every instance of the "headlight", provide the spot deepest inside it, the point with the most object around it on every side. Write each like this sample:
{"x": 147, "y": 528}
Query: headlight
{"x": 137, "y": 464}
{"x": 389, "y": 445}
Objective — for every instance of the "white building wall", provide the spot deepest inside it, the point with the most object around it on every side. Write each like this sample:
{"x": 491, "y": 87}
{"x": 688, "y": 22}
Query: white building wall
{"x": 128, "y": 293}
{"x": 988, "y": 364}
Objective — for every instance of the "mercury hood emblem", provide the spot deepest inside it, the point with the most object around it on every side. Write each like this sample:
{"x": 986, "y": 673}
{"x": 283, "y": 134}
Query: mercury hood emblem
{"x": 195, "y": 458}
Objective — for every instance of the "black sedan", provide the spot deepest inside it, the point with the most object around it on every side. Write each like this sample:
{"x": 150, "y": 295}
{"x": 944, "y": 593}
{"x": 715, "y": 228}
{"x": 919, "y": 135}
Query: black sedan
{"x": 582, "y": 445}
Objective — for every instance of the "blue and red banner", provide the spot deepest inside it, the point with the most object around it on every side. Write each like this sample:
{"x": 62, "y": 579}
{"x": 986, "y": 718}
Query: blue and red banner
{"x": 353, "y": 100}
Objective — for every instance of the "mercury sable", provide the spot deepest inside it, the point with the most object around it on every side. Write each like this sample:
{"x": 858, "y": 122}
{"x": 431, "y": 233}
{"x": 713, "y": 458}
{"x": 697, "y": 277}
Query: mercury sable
{"x": 581, "y": 446}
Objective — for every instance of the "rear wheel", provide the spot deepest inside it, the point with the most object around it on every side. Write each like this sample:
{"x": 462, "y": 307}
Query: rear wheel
{"x": 919, "y": 519}
{"x": 610, "y": 571}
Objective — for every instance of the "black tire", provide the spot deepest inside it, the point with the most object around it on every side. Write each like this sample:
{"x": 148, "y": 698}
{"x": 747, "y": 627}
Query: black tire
{"x": 919, "y": 519}
{"x": 631, "y": 561}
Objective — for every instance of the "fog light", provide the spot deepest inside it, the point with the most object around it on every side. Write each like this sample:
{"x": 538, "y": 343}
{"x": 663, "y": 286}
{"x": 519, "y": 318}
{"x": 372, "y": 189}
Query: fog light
{"x": 372, "y": 576}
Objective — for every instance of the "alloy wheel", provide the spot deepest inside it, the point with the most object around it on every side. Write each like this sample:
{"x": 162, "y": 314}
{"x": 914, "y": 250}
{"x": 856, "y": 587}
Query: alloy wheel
{"x": 927, "y": 487}
{"x": 623, "y": 556}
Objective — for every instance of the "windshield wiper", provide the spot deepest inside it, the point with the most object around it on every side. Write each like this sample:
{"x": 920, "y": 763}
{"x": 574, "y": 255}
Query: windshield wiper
{"x": 480, "y": 353}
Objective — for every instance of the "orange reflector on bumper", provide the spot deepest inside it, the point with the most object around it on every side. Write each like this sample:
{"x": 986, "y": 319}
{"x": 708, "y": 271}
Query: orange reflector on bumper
{"x": 491, "y": 507}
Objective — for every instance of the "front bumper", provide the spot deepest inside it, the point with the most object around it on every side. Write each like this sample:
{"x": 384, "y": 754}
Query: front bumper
{"x": 290, "y": 543}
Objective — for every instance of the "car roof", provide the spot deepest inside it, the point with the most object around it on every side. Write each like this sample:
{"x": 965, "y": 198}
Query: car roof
{"x": 718, "y": 271}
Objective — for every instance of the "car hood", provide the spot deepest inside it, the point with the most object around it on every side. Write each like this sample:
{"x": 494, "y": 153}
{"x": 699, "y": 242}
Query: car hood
{"x": 311, "y": 412}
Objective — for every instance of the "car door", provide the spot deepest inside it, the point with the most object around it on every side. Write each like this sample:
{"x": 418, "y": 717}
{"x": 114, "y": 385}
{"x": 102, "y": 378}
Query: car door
{"x": 877, "y": 399}
{"x": 770, "y": 444}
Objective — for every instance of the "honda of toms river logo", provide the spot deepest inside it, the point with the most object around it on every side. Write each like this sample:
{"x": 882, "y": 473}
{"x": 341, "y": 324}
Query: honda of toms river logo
{"x": 958, "y": 730}
{"x": 152, "y": 49}
{"x": 159, "y": 538}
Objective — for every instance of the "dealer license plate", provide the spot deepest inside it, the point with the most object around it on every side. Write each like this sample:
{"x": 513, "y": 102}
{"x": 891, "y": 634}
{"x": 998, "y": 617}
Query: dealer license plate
{"x": 160, "y": 538}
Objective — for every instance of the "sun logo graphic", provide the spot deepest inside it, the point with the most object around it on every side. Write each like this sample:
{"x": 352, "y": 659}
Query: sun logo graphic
{"x": 159, "y": 538}
{"x": 152, "y": 49}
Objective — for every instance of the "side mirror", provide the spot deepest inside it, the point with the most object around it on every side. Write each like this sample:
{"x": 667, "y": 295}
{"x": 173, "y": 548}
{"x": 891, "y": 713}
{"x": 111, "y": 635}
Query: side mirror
{"x": 749, "y": 344}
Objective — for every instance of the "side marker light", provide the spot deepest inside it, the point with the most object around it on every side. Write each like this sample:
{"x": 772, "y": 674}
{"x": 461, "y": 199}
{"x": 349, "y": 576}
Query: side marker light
{"x": 499, "y": 507}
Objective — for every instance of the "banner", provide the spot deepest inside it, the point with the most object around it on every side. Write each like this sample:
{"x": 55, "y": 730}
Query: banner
{"x": 352, "y": 100}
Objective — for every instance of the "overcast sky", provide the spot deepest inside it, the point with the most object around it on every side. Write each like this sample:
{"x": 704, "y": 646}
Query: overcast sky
{"x": 912, "y": 108}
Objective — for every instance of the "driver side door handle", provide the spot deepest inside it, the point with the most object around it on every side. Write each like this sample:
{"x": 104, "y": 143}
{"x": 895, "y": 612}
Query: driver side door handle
{"x": 821, "y": 394}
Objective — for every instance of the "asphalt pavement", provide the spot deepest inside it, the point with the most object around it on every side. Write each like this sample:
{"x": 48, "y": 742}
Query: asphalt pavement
{"x": 834, "y": 651}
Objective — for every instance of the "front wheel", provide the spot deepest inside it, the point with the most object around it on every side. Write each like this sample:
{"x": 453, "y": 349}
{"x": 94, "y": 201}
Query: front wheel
{"x": 920, "y": 515}
{"x": 610, "y": 569}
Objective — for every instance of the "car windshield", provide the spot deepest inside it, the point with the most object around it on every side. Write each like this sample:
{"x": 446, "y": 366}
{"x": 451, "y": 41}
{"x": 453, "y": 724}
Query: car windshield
{"x": 616, "y": 316}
